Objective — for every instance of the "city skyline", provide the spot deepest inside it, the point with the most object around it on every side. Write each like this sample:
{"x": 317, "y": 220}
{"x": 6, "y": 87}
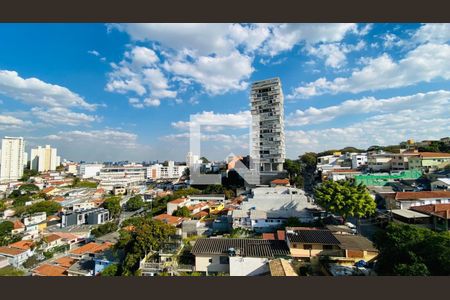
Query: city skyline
{"x": 110, "y": 92}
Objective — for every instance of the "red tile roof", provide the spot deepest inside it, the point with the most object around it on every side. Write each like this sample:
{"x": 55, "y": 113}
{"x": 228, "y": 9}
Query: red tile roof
{"x": 49, "y": 189}
{"x": 441, "y": 210}
{"x": 280, "y": 181}
{"x": 65, "y": 261}
{"x": 405, "y": 196}
{"x": 52, "y": 237}
{"x": 91, "y": 248}
{"x": 171, "y": 220}
{"x": 433, "y": 154}
{"x": 268, "y": 236}
{"x": 18, "y": 224}
{"x": 23, "y": 245}
{"x": 178, "y": 201}
{"x": 11, "y": 251}
{"x": 50, "y": 270}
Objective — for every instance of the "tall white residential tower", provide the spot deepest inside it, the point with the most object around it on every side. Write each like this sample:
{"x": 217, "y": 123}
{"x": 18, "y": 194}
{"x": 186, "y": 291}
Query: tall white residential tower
{"x": 12, "y": 158}
{"x": 43, "y": 159}
{"x": 268, "y": 144}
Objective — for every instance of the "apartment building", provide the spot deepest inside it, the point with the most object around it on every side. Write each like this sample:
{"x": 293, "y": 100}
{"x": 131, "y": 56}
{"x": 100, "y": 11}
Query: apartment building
{"x": 90, "y": 216}
{"x": 123, "y": 176}
{"x": 44, "y": 159}
{"x": 89, "y": 170}
{"x": 429, "y": 161}
{"x": 171, "y": 171}
{"x": 268, "y": 140}
{"x": 12, "y": 158}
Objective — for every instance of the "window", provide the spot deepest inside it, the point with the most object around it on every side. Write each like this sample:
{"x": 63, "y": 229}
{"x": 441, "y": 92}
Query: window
{"x": 294, "y": 245}
{"x": 307, "y": 247}
{"x": 224, "y": 260}
{"x": 327, "y": 247}
{"x": 210, "y": 260}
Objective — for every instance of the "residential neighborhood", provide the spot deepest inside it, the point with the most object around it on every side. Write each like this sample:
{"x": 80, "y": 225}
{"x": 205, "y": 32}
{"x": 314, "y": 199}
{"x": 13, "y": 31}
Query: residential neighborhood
{"x": 137, "y": 174}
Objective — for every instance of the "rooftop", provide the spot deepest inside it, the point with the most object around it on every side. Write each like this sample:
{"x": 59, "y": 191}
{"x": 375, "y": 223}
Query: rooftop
{"x": 18, "y": 224}
{"x": 409, "y": 214}
{"x": 65, "y": 261}
{"x": 50, "y": 270}
{"x": 312, "y": 236}
{"x": 11, "y": 251}
{"x": 168, "y": 219}
{"x": 91, "y": 248}
{"x": 52, "y": 237}
{"x": 280, "y": 181}
{"x": 178, "y": 201}
{"x": 354, "y": 242}
{"x": 23, "y": 245}
{"x": 434, "y": 155}
{"x": 247, "y": 247}
{"x": 405, "y": 196}
{"x": 281, "y": 267}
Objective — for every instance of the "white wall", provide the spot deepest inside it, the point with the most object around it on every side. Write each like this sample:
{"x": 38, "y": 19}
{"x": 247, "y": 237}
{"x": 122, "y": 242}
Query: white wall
{"x": 248, "y": 266}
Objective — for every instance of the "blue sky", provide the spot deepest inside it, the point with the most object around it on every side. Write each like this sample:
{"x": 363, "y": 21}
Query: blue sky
{"x": 101, "y": 92}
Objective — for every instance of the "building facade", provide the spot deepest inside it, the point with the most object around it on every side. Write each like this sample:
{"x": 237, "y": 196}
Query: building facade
{"x": 268, "y": 140}
{"x": 44, "y": 159}
{"x": 12, "y": 158}
{"x": 89, "y": 170}
{"x": 171, "y": 171}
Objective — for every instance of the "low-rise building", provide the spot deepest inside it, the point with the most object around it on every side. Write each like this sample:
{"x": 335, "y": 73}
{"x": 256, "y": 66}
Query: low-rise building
{"x": 405, "y": 200}
{"x": 92, "y": 216}
{"x": 429, "y": 161}
{"x": 16, "y": 257}
{"x": 237, "y": 257}
{"x": 168, "y": 219}
{"x": 439, "y": 214}
{"x": 49, "y": 270}
{"x": 442, "y": 184}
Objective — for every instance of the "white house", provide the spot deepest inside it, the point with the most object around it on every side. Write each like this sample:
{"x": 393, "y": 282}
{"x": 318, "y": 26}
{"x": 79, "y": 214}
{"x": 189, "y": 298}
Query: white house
{"x": 405, "y": 200}
{"x": 268, "y": 207}
{"x": 441, "y": 184}
{"x": 359, "y": 160}
{"x": 15, "y": 256}
{"x": 237, "y": 257}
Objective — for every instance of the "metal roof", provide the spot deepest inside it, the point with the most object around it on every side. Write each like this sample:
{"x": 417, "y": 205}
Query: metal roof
{"x": 313, "y": 236}
{"x": 246, "y": 247}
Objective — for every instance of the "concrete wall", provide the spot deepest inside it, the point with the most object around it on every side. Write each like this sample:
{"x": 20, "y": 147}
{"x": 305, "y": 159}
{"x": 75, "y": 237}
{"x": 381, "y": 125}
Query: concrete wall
{"x": 248, "y": 266}
{"x": 211, "y": 264}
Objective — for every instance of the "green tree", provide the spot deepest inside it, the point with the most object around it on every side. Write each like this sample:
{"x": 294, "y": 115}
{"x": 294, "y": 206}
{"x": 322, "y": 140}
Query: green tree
{"x": 111, "y": 270}
{"x": 185, "y": 192}
{"x": 229, "y": 194}
{"x": 147, "y": 237}
{"x": 6, "y": 227}
{"x": 182, "y": 212}
{"x": 135, "y": 203}
{"x": 31, "y": 262}
{"x": 309, "y": 160}
{"x": 11, "y": 271}
{"x": 49, "y": 207}
{"x": 412, "y": 250}
{"x": 345, "y": 198}
{"x": 104, "y": 229}
{"x": 27, "y": 173}
{"x": 29, "y": 188}
{"x": 75, "y": 181}
{"x": 112, "y": 204}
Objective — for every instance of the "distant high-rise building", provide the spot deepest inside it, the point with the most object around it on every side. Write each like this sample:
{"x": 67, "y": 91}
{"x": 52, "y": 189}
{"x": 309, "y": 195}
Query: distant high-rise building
{"x": 192, "y": 159}
{"x": 268, "y": 144}
{"x": 44, "y": 159}
{"x": 12, "y": 158}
